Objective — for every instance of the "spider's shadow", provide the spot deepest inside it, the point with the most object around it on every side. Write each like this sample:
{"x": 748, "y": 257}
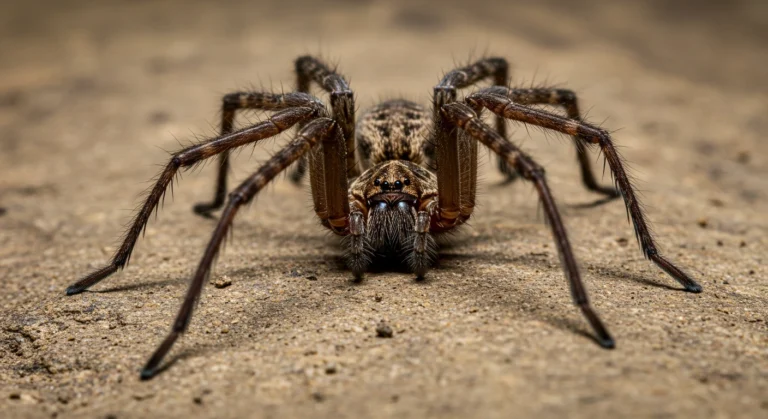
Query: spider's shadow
{"x": 139, "y": 286}
{"x": 445, "y": 263}
{"x": 584, "y": 205}
{"x": 594, "y": 204}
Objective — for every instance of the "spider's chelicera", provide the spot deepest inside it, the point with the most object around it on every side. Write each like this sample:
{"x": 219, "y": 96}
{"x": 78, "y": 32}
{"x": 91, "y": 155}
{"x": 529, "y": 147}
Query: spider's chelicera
{"x": 418, "y": 178}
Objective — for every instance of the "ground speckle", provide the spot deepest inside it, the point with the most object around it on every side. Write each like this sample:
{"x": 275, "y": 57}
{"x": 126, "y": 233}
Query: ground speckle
{"x": 383, "y": 330}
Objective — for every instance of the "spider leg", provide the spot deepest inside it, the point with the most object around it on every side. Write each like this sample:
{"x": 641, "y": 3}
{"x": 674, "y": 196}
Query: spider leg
{"x": 567, "y": 100}
{"x": 495, "y": 68}
{"x": 231, "y": 103}
{"x": 317, "y": 130}
{"x": 359, "y": 254}
{"x": 502, "y": 105}
{"x": 424, "y": 252}
{"x": 187, "y": 157}
{"x": 309, "y": 69}
{"x": 455, "y": 156}
{"x": 466, "y": 119}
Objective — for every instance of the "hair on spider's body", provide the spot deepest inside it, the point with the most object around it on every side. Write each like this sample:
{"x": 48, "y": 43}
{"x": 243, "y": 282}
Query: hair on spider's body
{"x": 416, "y": 176}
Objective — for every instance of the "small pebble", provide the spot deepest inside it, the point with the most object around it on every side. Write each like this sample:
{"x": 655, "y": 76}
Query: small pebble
{"x": 222, "y": 282}
{"x": 383, "y": 330}
{"x": 330, "y": 368}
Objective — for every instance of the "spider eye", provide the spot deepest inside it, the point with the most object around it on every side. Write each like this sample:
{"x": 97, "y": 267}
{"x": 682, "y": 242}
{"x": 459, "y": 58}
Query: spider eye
{"x": 398, "y": 184}
{"x": 407, "y": 181}
{"x": 385, "y": 185}
{"x": 376, "y": 182}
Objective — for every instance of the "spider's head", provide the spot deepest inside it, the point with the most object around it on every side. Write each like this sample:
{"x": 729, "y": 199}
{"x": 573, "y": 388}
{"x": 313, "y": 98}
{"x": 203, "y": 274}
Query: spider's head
{"x": 393, "y": 192}
{"x": 393, "y": 185}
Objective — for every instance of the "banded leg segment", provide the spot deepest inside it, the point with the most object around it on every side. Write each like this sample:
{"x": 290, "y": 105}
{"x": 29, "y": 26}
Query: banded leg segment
{"x": 328, "y": 172}
{"x": 359, "y": 254}
{"x": 233, "y": 102}
{"x": 502, "y": 105}
{"x": 456, "y": 179}
{"x": 315, "y": 131}
{"x": 189, "y": 156}
{"x": 309, "y": 69}
{"x": 568, "y": 101}
{"x": 466, "y": 119}
{"x": 424, "y": 252}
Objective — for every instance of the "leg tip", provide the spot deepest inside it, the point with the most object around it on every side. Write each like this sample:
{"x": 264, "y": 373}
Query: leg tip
{"x": 147, "y": 374}
{"x": 607, "y": 343}
{"x": 611, "y": 192}
{"x": 693, "y": 288}
{"x": 72, "y": 290}
{"x": 203, "y": 209}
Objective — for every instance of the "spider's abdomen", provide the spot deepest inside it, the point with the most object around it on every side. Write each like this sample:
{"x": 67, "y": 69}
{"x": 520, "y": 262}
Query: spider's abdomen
{"x": 393, "y": 130}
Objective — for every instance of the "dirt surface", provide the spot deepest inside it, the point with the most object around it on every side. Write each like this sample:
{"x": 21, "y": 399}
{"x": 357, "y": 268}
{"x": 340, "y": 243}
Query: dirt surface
{"x": 92, "y": 93}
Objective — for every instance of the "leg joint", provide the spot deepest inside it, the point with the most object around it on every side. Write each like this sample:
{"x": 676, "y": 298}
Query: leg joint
{"x": 232, "y": 101}
{"x": 566, "y": 96}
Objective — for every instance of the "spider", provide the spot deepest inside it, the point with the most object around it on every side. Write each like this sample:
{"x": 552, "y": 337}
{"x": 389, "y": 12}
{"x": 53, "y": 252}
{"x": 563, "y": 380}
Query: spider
{"x": 418, "y": 177}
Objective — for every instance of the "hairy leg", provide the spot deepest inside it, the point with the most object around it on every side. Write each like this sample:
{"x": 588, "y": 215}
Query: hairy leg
{"x": 310, "y": 135}
{"x": 424, "y": 252}
{"x": 187, "y": 157}
{"x": 359, "y": 254}
{"x": 466, "y": 118}
{"x": 456, "y": 157}
{"x": 231, "y": 103}
{"x": 568, "y": 101}
{"x": 495, "y": 68}
{"x": 502, "y": 105}
{"x": 311, "y": 69}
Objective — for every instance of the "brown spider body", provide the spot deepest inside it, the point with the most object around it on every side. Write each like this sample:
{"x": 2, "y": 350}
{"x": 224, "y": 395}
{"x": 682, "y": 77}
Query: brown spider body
{"x": 394, "y": 187}
{"x": 419, "y": 173}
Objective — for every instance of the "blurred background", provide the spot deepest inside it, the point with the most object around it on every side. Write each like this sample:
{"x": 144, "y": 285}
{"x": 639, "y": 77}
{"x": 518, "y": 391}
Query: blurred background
{"x": 73, "y": 71}
{"x": 94, "y": 93}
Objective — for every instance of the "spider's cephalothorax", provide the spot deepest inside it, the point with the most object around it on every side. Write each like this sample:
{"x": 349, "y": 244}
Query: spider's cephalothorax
{"x": 393, "y": 188}
{"x": 398, "y": 202}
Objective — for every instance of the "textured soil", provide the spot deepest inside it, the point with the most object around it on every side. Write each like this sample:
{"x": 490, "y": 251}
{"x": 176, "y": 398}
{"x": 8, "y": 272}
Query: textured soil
{"x": 93, "y": 92}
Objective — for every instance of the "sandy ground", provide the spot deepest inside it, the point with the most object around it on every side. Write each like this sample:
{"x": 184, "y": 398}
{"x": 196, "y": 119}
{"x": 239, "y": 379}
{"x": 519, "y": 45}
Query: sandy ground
{"x": 92, "y": 93}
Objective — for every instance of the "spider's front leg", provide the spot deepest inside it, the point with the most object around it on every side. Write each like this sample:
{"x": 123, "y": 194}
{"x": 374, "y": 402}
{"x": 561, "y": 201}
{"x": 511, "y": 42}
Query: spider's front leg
{"x": 503, "y": 105}
{"x": 465, "y": 118}
{"x": 320, "y": 129}
{"x": 296, "y": 107}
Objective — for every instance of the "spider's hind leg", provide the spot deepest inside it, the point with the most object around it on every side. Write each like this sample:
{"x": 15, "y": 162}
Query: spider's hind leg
{"x": 501, "y": 103}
